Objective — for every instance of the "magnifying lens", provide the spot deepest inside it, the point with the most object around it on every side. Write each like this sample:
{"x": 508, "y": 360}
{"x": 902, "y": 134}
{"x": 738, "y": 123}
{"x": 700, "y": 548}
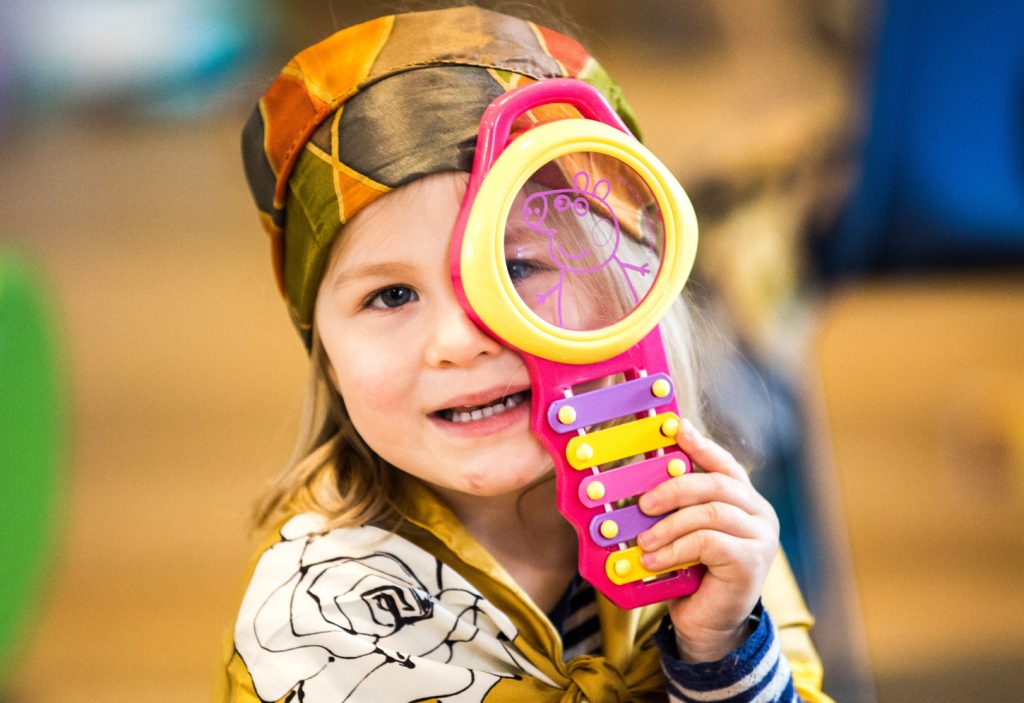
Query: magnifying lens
{"x": 572, "y": 243}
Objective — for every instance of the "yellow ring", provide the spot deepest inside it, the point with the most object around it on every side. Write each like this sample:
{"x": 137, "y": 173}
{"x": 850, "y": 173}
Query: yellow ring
{"x": 482, "y": 263}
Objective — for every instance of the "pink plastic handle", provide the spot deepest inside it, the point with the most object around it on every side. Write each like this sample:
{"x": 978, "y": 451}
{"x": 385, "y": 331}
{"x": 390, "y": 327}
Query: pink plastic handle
{"x": 496, "y": 122}
{"x": 495, "y": 131}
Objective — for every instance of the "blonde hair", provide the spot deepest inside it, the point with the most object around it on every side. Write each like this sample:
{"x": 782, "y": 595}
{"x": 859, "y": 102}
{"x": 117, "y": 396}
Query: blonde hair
{"x": 332, "y": 471}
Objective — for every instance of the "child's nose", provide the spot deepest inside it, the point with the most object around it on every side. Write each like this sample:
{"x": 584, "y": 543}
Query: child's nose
{"x": 455, "y": 340}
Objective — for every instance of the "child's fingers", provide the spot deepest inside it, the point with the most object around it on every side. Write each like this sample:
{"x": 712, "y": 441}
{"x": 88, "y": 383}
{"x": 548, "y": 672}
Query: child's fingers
{"x": 721, "y": 517}
{"x": 708, "y": 454}
{"x": 694, "y": 489}
{"x": 708, "y": 547}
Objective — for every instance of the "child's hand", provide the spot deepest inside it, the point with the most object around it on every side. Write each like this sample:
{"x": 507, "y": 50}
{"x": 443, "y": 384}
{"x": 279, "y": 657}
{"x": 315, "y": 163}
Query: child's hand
{"x": 722, "y": 522}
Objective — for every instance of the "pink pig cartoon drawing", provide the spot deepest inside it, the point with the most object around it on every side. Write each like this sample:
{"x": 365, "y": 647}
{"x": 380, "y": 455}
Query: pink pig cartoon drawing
{"x": 592, "y": 242}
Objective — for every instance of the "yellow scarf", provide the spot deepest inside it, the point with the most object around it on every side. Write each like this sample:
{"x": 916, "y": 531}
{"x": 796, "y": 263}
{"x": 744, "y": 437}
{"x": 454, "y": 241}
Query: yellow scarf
{"x": 468, "y": 631}
{"x": 628, "y": 668}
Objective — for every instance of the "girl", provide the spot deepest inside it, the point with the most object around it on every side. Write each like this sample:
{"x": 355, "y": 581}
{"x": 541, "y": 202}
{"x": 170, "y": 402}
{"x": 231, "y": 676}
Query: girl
{"x": 416, "y": 552}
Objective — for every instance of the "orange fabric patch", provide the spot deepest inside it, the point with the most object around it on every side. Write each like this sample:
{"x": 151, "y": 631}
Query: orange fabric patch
{"x": 354, "y": 191}
{"x": 565, "y": 50}
{"x": 287, "y": 109}
{"x": 330, "y": 71}
{"x": 310, "y": 87}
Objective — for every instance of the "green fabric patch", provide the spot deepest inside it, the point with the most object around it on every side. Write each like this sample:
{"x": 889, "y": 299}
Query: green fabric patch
{"x": 312, "y": 220}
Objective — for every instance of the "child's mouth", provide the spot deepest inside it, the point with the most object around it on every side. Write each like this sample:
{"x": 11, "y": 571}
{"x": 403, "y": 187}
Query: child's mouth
{"x": 473, "y": 413}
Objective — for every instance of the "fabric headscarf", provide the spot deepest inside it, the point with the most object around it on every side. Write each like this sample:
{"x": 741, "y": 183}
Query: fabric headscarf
{"x": 378, "y": 105}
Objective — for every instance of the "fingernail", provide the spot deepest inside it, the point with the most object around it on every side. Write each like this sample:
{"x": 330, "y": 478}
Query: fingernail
{"x": 649, "y": 561}
{"x": 689, "y": 431}
{"x": 644, "y": 540}
{"x": 648, "y": 504}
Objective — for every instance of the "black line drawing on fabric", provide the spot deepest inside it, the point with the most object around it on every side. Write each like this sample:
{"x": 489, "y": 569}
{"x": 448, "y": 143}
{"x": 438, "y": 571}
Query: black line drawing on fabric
{"x": 326, "y": 627}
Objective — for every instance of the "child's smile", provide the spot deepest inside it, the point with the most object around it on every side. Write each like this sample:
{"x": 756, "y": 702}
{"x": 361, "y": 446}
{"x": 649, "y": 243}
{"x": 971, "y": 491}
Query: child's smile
{"x": 472, "y": 410}
{"x": 425, "y": 388}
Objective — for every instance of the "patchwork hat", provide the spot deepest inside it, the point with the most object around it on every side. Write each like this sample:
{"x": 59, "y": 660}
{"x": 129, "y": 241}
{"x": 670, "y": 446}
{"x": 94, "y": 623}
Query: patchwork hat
{"x": 378, "y": 105}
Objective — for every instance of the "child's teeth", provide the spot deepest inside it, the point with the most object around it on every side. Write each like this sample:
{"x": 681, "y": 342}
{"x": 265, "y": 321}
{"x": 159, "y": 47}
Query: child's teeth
{"x": 497, "y": 408}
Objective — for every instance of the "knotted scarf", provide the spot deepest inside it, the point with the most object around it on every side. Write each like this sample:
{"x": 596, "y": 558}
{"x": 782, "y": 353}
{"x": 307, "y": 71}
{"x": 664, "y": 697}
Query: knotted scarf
{"x": 424, "y": 613}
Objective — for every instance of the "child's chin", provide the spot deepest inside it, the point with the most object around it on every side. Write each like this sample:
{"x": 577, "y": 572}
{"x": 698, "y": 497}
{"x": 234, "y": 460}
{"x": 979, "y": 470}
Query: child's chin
{"x": 489, "y": 489}
{"x": 532, "y": 468}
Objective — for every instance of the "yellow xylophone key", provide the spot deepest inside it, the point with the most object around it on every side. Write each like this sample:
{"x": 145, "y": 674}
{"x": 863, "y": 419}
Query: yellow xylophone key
{"x": 624, "y": 567}
{"x": 621, "y": 441}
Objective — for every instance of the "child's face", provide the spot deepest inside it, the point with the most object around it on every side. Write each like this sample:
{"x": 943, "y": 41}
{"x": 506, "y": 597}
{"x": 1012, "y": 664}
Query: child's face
{"x": 425, "y": 388}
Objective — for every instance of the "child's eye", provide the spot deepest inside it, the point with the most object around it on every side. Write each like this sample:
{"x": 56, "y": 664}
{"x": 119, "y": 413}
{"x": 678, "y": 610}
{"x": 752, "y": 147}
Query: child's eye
{"x": 391, "y": 297}
{"x": 518, "y": 269}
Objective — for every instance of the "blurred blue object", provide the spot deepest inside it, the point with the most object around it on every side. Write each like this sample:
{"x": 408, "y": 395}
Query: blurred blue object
{"x": 32, "y": 448}
{"x": 942, "y": 181}
{"x": 152, "y": 55}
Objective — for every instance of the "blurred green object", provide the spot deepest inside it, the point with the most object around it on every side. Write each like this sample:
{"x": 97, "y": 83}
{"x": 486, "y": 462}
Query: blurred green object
{"x": 32, "y": 448}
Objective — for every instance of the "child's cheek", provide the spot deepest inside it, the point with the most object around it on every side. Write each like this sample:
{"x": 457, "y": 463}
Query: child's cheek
{"x": 374, "y": 385}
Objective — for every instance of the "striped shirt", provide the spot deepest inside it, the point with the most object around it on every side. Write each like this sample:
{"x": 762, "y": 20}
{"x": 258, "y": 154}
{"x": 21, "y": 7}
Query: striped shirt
{"x": 575, "y": 618}
{"x": 754, "y": 672}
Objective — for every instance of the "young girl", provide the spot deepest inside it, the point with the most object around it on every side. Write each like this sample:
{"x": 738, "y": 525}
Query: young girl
{"x": 416, "y": 550}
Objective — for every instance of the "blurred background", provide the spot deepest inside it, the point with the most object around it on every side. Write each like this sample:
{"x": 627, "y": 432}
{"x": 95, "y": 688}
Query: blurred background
{"x": 858, "y": 170}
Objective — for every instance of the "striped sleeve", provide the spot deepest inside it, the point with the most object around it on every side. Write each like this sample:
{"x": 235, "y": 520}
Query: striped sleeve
{"x": 754, "y": 672}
